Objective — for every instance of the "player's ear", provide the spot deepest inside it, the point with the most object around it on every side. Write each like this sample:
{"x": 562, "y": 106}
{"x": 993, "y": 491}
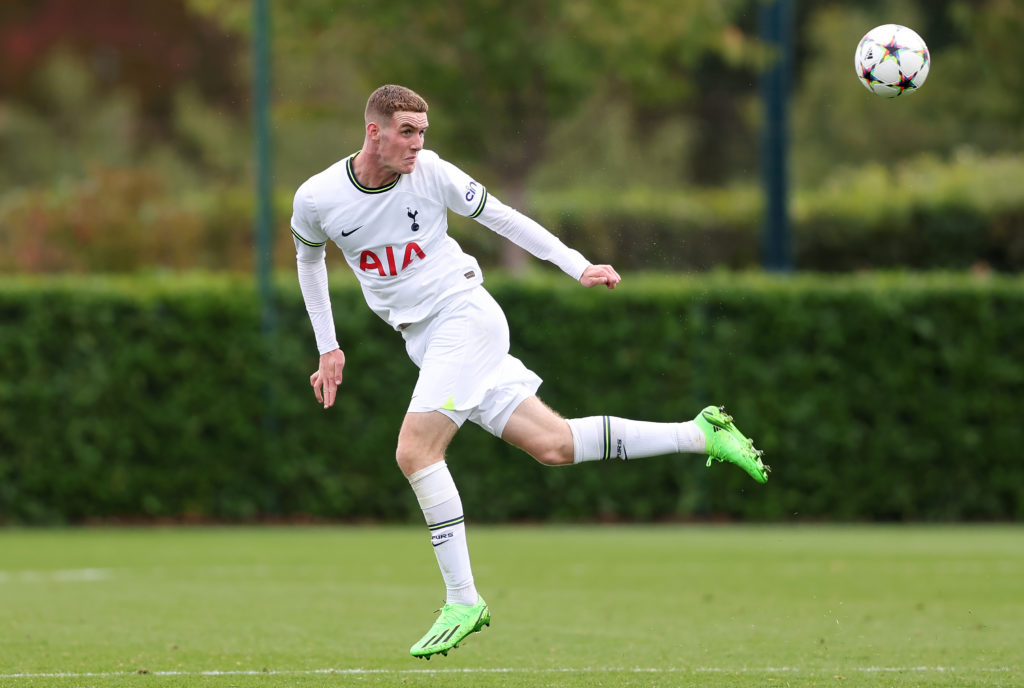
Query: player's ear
{"x": 372, "y": 130}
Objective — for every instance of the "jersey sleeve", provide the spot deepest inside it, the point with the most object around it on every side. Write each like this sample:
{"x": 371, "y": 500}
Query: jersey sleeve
{"x": 313, "y": 284}
{"x": 462, "y": 194}
{"x": 310, "y": 249}
{"x": 528, "y": 234}
{"x": 305, "y": 222}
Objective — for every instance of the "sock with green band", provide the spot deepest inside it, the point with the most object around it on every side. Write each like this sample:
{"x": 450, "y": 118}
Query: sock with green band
{"x": 596, "y": 438}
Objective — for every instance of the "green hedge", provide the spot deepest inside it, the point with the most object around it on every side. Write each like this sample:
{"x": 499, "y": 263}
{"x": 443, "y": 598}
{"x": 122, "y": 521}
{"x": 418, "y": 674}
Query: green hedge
{"x": 875, "y": 397}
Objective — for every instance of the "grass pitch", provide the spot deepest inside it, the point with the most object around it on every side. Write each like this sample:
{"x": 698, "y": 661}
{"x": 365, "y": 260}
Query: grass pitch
{"x": 571, "y": 606}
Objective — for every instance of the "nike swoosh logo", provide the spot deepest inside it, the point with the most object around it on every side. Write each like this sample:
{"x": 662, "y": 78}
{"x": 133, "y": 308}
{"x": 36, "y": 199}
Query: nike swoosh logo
{"x": 351, "y": 231}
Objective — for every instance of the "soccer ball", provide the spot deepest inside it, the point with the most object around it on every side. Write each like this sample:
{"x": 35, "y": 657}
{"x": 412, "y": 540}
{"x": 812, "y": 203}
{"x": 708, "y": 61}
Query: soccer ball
{"x": 892, "y": 60}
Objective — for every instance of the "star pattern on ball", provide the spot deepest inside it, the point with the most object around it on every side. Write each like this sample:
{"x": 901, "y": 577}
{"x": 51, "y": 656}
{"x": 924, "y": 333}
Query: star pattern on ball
{"x": 892, "y": 49}
{"x": 906, "y": 83}
{"x": 868, "y": 74}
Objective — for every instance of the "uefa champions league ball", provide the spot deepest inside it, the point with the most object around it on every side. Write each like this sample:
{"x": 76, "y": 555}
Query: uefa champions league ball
{"x": 892, "y": 60}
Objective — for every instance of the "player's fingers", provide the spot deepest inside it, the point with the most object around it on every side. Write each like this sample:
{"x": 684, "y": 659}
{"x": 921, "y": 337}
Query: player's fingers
{"x": 607, "y": 276}
{"x": 314, "y": 382}
{"x": 332, "y": 377}
{"x": 592, "y": 277}
{"x": 327, "y": 385}
{"x": 330, "y": 393}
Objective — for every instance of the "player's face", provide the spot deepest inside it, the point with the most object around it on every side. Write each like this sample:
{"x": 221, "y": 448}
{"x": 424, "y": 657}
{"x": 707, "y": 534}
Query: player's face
{"x": 401, "y": 140}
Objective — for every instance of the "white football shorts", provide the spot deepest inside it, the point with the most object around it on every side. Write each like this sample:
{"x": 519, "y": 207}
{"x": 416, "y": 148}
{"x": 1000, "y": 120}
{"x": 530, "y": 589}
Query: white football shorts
{"x": 466, "y": 371}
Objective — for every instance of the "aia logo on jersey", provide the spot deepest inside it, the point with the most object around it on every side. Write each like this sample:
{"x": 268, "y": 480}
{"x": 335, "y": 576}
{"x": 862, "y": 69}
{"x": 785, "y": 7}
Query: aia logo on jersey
{"x": 370, "y": 261}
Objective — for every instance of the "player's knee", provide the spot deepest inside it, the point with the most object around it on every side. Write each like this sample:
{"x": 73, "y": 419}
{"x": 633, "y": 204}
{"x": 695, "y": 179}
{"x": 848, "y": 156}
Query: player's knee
{"x": 541, "y": 433}
{"x": 552, "y": 453}
{"x": 403, "y": 458}
{"x": 411, "y": 459}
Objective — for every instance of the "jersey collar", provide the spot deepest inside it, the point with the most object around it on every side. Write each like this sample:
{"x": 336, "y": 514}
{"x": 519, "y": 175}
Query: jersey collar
{"x": 350, "y": 168}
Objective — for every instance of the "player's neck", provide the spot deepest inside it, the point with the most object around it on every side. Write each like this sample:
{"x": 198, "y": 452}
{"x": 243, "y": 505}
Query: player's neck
{"x": 369, "y": 174}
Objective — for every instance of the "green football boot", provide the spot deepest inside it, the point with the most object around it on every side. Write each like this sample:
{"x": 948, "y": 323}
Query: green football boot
{"x": 725, "y": 442}
{"x": 455, "y": 623}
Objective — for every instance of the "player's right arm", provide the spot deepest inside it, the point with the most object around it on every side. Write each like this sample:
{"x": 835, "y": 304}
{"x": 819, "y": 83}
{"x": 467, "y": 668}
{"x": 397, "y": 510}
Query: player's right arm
{"x": 311, "y": 264}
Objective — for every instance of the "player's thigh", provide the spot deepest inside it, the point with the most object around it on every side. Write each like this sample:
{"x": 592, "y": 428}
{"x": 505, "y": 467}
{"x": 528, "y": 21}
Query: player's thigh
{"x": 423, "y": 439}
{"x": 539, "y": 431}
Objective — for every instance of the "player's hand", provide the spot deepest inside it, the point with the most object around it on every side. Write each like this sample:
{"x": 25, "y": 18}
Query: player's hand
{"x": 600, "y": 274}
{"x": 326, "y": 380}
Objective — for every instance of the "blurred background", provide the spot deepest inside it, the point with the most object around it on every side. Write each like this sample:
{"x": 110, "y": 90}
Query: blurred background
{"x": 858, "y": 298}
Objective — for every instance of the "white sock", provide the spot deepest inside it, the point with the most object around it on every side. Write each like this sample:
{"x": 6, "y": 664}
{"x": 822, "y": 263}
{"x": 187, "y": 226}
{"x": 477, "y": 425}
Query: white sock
{"x": 442, "y": 509}
{"x": 603, "y": 437}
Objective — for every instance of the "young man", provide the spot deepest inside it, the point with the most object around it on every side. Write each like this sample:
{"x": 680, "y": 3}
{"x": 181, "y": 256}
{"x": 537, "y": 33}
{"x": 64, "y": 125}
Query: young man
{"x": 386, "y": 208}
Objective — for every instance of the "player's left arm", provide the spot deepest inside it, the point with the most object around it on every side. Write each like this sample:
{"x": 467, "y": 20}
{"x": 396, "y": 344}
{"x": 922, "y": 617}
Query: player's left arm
{"x": 530, "y": 235}
{"x": 469, "y": 198}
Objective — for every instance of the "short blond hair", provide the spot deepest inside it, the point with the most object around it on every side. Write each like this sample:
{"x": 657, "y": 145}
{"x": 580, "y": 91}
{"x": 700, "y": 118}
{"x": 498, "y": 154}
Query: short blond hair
{"x": 389, "y": 99}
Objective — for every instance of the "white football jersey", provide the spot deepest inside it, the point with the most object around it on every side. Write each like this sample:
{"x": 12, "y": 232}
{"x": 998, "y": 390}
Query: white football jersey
{"x": 395, "y": 237}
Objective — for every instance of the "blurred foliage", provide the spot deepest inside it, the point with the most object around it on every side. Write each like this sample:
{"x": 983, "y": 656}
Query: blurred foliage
{"x": 68, "y": 123}
{"x": 118, "y": 219}
{"x": 512, "y": 69}
{"x": 964, "y": 213}
{"x": 923, "y": 212}
{"x": 972, "y": 89}
{"x": 146, "y": 53}
{"x": 501, "y": 74}
{"x": 625, "y": 125}
{"x": 157, "y": 399}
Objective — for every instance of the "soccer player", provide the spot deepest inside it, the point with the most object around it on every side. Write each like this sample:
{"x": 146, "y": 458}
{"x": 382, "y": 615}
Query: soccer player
{"x": 386, "y": 207}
